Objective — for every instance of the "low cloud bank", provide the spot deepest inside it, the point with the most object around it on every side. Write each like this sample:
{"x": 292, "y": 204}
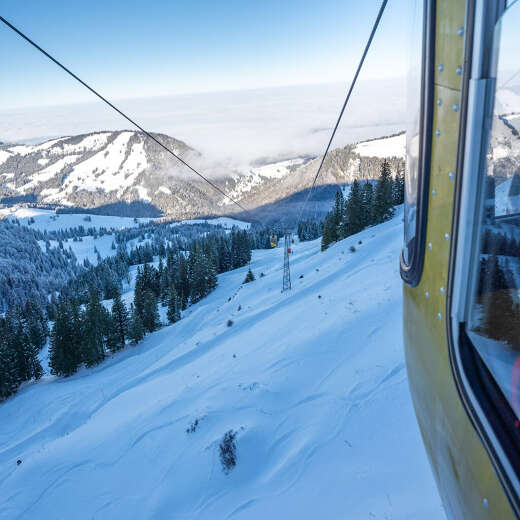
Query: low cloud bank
{"x": 238, "y": 127}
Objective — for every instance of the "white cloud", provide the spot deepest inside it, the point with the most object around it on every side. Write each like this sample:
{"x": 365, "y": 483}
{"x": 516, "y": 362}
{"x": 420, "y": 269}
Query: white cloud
{"x": 240, "y": 126}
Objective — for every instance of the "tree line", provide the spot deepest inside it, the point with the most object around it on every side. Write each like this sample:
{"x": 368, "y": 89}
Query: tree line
{"x": 85, "y": 330}
{"x": 364, "y": 206}
{"x": 84, "y": 334}
{"x": 23, "y": 333}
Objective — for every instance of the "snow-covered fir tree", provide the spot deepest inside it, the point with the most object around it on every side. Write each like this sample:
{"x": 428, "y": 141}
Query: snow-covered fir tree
{"x": 120, "y": 321}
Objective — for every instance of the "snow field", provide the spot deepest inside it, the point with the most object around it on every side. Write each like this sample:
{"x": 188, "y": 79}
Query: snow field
{"x": 313, "y": 382}
{"x": 225, "y": 222}
{"x": 45, "y": 219}
{"x": 394, "y": 146}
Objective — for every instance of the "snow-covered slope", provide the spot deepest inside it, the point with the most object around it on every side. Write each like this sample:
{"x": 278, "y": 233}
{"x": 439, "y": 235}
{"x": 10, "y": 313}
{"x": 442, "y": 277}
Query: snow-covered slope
{"x": 102, "y": 168}
{"x": 312, "y": 381}
{"x": 45, "y": 219}
{"x": 225, "y": 222}
{"x": 394, "y": 146}
{"x": 110, "y": 168}
{"x": 49, "y": 220}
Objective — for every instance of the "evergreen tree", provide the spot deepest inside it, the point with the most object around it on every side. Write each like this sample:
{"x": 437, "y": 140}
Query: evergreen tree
{"x": 35, "y": 324}
{"x": 240, "y": 248}
{"x": 198, "y": 283}
{"x": 224, "y": 255}
{"x": 182, "y": 283}
{"x": 136, "y": 330}
{"x": 25, "y": 354}
{"x": 329, "y": 231}
{"x": 139, "y": 291}
{"x": 64, "y": 352}
{"x": 250, "y": 277}
{"x": 174, "y": 311}
{"x": 337, "y": 211}
{"x": 383, "y": 209}
{"x": 94, "y": 331}
{"x": 367, "y": 195}
{"x": 203, "y": 276}
{"x": 150, "y": 317}
{"x": 398, "y": 189}
{"x": 309, "y": 230}
{"x": 211, "y": 274}
{"x": 111, "y": 336}
{"x": 352, "y": 220}
{"x": 9, "y": 380}
{"x": 120, "y": 321}
{"x": 164, "y": 282}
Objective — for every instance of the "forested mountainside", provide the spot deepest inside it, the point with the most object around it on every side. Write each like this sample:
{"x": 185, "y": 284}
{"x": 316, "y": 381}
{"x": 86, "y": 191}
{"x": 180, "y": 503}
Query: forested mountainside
{"x": 124, "y": 172}
{"x": 29, "y": 271}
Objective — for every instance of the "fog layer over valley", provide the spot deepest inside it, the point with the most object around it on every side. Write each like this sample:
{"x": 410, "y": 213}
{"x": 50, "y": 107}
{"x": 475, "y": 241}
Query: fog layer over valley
{"x": 239, "y": 127}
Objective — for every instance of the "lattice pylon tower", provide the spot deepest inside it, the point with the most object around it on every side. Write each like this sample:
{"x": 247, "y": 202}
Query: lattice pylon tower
{"x": 286, "y": 270}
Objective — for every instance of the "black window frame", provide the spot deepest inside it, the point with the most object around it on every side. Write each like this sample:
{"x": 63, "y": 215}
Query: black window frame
{"x": 411, "y": 272}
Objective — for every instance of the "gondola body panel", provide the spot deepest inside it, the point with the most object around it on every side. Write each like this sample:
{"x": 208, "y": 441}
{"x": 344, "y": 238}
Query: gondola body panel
{"x": 465, "y": 477}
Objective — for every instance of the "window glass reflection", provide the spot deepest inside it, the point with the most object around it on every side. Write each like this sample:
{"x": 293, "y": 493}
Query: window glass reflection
{"x": 495, "y": 313}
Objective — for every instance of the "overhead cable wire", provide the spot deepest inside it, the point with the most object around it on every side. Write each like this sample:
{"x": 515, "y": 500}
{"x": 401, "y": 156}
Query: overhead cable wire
{"x": 120, "y": 112}
{"x": 349, "y": 93}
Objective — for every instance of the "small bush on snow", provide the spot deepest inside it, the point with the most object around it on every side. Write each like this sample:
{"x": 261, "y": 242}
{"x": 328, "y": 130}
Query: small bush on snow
{"x": 250, "y": 277}
{"x": 228, "y": 451}
{"x": 192, "y": 428}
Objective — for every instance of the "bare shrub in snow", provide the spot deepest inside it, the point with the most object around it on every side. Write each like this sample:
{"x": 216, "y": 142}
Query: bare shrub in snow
{"x": 228, "y": 451}
{"x": 192, "y": 428}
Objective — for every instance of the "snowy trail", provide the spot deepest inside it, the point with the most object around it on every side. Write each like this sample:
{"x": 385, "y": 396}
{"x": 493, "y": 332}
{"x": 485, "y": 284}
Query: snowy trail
{"x": 313, "y": 382}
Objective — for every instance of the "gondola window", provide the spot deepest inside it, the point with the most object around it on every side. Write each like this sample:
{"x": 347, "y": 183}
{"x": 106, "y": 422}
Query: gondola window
{"x": 494, "y": 325}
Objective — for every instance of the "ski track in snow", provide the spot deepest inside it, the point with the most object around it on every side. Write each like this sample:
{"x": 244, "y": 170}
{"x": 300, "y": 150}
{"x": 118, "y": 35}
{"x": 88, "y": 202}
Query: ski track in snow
{"x": 317, "y": 394}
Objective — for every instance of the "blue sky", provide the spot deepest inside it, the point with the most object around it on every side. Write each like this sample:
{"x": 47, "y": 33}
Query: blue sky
{"x": 132, "y": 48}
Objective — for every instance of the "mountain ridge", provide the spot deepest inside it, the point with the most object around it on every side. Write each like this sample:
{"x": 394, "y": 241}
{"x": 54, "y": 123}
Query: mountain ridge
{"x": 104, "y": 168}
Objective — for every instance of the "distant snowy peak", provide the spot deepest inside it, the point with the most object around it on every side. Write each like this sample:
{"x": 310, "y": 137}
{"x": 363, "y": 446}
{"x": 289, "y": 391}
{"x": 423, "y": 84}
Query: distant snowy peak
{"x": 116, "y": 170}
{"x": 93, "y": 169}
{"x": 343, "y": 165}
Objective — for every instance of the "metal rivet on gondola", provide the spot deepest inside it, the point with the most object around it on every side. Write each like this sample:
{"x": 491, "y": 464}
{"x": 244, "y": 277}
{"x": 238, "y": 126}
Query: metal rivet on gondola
{"x": 456, "y": 107}
{"x": 441, "y": 67}
{"x": 446, "y": 236}
{"x": 460, "y": 32}
{"x": 459, "y": 70}
{"x": 427, "y": 294}
{"x": 442, "y": 290}
{"x": 437, "y": 132}
{"x": 430, "y": 247}
{"x": 450, "y": 175}
{"x": 439, "y": 316}
{"x": 439, "y": 102}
